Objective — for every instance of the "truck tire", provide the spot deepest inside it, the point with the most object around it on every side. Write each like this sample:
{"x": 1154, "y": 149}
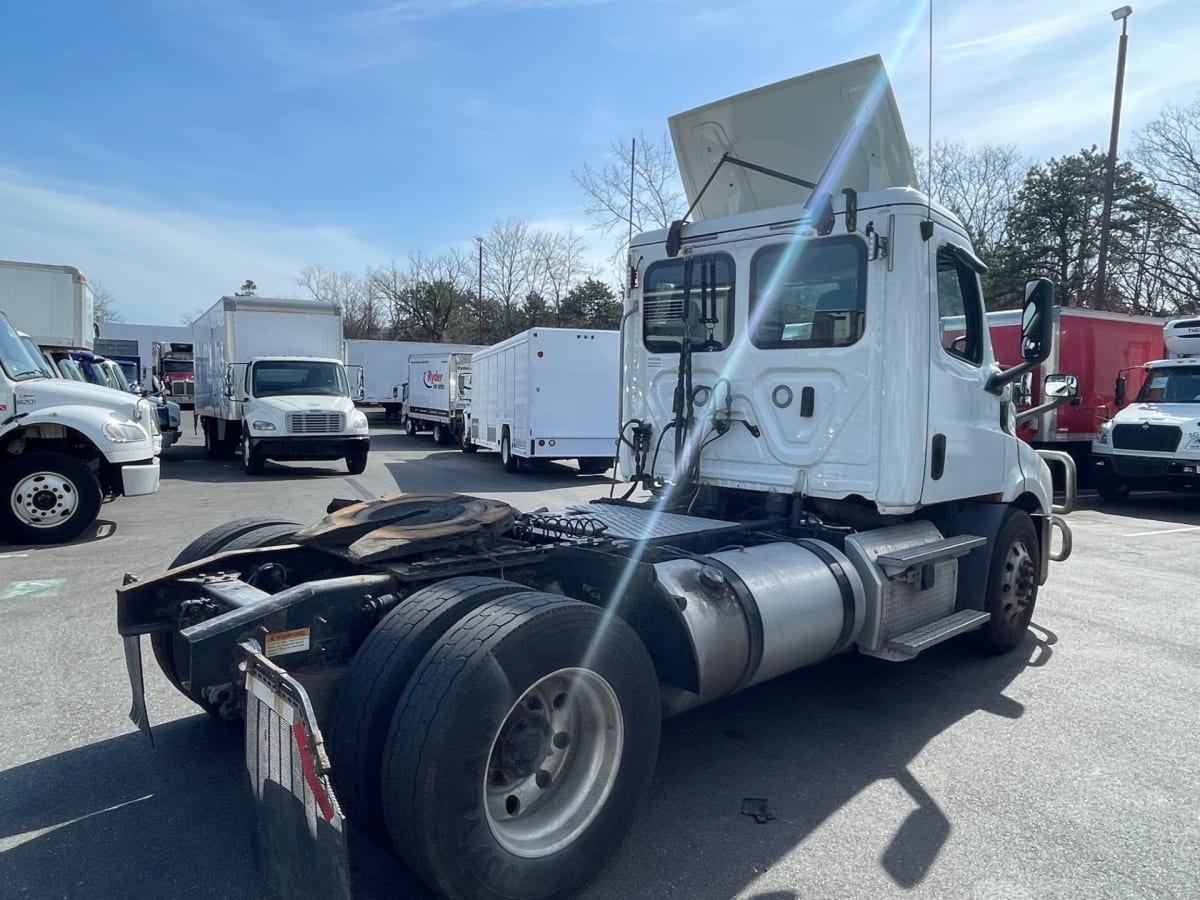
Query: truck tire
{"x": 594, "y": 465}
{"x": 377, "y": 677}
{"x": 521, "y": 749}
{"x": 441, "y": 434}
{"x": 212, "y": 448}
{"x": 511, "y": 463}
{"x": 356, "y": 463}
{"x": 162, "y": 643}
{"x": 410, "y": 427}
{"x": 464, "y": 441}
{"x": 47, "y": 498}
{"x": 1012, "y": 583}
{"x": 1111, "y": 488}
{"x": 252, "y": 460}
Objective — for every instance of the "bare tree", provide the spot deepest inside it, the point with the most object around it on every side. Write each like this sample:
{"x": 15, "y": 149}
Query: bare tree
{"x": 361, "y": 304}
{"x": 509, "y": 268}
{"x": 104, "y": 305}
{"x": 425, "y": 300}
{"x": 658, "y": 197}
{"x": 559, "y": 265}
{"x": 979, "y": 183}
{"x": 248, "y": 289}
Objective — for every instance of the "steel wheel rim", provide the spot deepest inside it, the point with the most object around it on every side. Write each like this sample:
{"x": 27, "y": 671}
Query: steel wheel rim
{"x": 44, "y": 499}
{"x": 553, "y": 762}
{"x": 1018, "y": 582}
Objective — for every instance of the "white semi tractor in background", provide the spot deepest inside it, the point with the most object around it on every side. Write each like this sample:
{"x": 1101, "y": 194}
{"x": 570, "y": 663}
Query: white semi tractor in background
{"x": 831, "y": 466}
{"x": 438, "y": 390}
{"x": 271, "y": 384}
{"x": 1154, "y": 442}
{"x": 546, "y": 394}
{"x": 65, "y": 446}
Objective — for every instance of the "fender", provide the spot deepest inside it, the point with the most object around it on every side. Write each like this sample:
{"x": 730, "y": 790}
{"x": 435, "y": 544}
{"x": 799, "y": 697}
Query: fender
{"x": 88, "y": 423}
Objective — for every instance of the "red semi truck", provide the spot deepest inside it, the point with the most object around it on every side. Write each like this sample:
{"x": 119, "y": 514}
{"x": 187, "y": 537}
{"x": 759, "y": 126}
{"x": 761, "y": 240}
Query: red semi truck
{"x": 1092, "y": 345}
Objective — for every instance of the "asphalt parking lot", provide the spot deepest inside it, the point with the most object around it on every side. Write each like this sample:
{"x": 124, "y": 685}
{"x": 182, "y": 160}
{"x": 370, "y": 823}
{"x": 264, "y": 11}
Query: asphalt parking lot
{"x": 1068, "y": 768}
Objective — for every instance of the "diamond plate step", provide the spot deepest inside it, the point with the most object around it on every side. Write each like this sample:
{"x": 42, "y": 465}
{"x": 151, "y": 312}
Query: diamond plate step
{"x": 913, "y": 642}
{"x": 897, "y": 561}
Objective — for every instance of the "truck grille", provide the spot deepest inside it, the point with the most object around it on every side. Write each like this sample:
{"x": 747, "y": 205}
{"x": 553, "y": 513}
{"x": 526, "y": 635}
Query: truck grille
{"x": 315, "y": 423}
{"x": 183, "y": 389}
{"x": 1157, "y": 438}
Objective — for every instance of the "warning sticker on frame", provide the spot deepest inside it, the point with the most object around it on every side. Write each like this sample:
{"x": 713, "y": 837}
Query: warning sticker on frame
{"x": 281, "y": 643}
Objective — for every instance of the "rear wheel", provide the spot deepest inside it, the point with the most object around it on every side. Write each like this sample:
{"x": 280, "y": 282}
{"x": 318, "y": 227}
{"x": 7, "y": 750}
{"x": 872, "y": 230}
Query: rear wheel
{"x": 410, "y": 427}
{"x": 240, "y": 534}
{"x": 212, "y": 449}
{"x": 521, "y": 749}
{"x": 441, "y": 434}
{"x": 594, "y": 465}
{"x": 1012, "y": 583}
{"x": 464, "y": 441}
{"x": 47, "y": 498}
{"x": 511, "y": 463}
{"x": 377, "y": 677}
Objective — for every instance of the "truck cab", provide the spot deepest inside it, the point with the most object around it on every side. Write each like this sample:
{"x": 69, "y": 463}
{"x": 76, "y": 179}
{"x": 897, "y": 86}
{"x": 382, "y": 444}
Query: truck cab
{"x": 1154, "y": 442}
{"x": 65, "y": 446}
{"x": 297, "y": 408}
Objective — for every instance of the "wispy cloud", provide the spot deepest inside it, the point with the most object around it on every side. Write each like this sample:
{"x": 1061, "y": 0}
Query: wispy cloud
{"x": 160, "y": 263}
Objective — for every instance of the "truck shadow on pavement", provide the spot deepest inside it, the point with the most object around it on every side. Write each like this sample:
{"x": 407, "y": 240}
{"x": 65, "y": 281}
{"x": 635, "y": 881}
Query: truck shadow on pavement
{"x": 100, "y": 530}
{"x": 1176, "y": 508}
{"x": 444, "y": 472}
{"x": 120, "y": 819}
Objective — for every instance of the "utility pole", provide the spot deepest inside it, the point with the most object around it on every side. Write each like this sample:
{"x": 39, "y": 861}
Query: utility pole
{"x": 479, "y": 292}
{"x": 1110, "y": 176}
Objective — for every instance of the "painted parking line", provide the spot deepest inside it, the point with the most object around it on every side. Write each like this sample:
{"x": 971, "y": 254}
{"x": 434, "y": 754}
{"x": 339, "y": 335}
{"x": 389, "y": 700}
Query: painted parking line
{"x": 32, "y": 590}
{"x": 1163, "y": 531}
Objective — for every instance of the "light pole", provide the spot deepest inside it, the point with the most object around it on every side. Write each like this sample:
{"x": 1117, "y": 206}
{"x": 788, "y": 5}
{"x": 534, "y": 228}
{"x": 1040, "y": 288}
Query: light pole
{"x": 479, "y": 292}
{"x": 1119, "y": 15}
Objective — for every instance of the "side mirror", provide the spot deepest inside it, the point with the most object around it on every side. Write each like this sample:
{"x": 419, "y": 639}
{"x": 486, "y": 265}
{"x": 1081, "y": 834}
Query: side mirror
{"x": 1036, "y": 323}
{"x": 1037, "y": 333}
{"x": 1061, "y": 386}
{"x": 1119, "y": 391}
{"x": 1023, "y": 394}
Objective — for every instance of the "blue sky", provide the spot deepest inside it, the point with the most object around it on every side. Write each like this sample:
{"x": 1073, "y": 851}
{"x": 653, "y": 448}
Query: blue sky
{"x": 172, "y": 148}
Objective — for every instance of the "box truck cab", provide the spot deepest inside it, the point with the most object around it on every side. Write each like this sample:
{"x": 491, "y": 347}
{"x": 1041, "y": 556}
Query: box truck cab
{"x": 65, "y": 446}
{"x": 270, "y": 384}
{"x": 1154, "y": 442}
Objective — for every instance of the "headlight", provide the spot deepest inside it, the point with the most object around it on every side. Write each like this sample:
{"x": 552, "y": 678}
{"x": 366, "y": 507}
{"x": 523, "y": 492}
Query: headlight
{"x": 358, "y": 420}
{"x": 123, "y": 432}
{"x": 261, "y": 425}
{"x": 1193, "y": 441}
{"x": 1102, "y": 435}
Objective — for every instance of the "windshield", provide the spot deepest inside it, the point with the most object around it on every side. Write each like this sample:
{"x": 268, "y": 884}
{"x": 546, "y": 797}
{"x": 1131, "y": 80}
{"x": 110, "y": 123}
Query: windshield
{"x": 38, "y": 357}
{"x": 1176, "y": 385}
{"x": 176, "y": 367}
{"x": 115, "y": 375}
{"x": 14, "y": 355}
{"x": 70, "y": 369}
{"x": 274, "y": 378}
{"x": 808, "y": 295}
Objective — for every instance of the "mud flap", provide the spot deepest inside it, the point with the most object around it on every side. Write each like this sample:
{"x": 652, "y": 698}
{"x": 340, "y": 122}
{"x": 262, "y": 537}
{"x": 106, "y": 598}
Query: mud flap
{"x": 300, "y": 829}
{"x": 137, "y": 685}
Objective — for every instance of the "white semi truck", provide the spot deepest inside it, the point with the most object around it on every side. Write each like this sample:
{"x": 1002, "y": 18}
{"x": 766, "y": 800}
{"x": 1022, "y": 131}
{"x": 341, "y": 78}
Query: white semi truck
{"x": 270, "y": 384}
{"x": 830, "y": 467}
{"x": 437, "y": 391}
{"x": 1154, "y": 442}
{"x": 545, "y": 394}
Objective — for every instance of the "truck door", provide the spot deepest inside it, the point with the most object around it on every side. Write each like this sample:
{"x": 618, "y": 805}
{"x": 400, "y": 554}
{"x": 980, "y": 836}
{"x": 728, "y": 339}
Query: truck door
{"x": 967, "y": 452}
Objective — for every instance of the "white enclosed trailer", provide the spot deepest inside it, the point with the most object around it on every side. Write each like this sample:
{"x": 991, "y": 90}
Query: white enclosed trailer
{"x": 385, "y": 367}
{"x": 52, "y": 304}
{"x": 547, "y": 393}
{"x": 270, "y": 381}
{"x": 439, "y": 389}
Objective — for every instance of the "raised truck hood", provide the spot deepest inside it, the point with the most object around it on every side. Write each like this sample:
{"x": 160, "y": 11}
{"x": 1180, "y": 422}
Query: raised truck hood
{"x": 838, "y": 127}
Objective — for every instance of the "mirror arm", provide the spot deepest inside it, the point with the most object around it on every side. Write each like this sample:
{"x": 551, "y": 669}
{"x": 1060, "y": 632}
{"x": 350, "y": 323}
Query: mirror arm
{"x": 999, "y": 380}
{"x": 1035, "y": 411}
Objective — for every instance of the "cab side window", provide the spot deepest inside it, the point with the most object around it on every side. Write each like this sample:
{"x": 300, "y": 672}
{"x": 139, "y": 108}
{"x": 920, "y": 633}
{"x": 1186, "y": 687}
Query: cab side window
{"x": 960, "y": 309}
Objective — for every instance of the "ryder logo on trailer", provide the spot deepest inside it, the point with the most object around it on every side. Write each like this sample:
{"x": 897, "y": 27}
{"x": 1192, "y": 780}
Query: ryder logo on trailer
{"x": 433, "y": 379}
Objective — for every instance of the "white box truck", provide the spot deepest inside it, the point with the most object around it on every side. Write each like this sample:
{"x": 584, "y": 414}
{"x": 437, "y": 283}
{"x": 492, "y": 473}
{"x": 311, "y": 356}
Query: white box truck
{"x": 547, "y": 393}
{"x": 271, "y": 384}
{"x": 439, "y": 389}
{"x": 52, "y": 304}
{"x": 385, "y": 368}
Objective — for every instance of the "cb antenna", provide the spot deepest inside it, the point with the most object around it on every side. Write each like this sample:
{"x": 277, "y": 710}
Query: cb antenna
{"x": 629, "y": 239}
